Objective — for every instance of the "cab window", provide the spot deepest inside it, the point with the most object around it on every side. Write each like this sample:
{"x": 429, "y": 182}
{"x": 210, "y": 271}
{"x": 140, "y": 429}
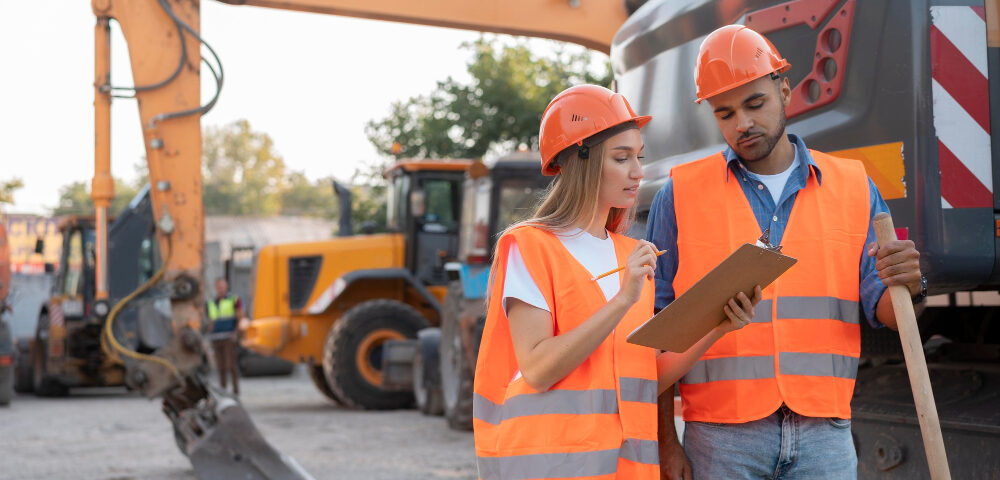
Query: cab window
{"x": 440, "y": 205}
{"x": 396, "y": 202}
{"x": 73, "y": 276}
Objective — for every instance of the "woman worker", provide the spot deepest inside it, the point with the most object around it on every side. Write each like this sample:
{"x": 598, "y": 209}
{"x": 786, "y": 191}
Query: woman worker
{"x": 558, "y": 391}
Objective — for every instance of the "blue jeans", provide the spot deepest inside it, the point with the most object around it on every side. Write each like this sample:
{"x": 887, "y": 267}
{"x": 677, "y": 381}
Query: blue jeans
{"x": 783, "y": 445}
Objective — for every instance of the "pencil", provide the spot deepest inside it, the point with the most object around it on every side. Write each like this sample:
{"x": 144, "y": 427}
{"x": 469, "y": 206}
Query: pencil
{"x": 661, "y": 252}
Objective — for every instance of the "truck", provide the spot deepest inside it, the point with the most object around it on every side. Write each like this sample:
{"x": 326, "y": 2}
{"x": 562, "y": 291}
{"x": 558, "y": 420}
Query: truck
{"x": 7, "y": 351}
{"x": 912, "y": 89}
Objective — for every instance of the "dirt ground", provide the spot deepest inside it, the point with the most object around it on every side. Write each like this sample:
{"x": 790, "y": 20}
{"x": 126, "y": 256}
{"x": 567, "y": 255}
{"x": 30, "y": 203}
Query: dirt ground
{"x": 112, "y": 434}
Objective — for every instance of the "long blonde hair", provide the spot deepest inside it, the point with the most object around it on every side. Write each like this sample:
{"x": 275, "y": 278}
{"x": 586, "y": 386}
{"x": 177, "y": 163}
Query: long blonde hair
{"x": 573, "y": 197}
{"x": 570, "y": 200}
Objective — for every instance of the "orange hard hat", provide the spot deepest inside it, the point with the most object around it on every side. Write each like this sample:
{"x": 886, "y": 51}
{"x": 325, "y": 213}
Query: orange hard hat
{"x": 731, "y": 56}
{"x": 579, "y": 113}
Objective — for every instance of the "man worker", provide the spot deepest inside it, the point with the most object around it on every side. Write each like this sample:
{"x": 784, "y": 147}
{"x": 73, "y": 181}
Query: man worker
{"x": 772, "y": 400}
{"x": 224, "y": 313}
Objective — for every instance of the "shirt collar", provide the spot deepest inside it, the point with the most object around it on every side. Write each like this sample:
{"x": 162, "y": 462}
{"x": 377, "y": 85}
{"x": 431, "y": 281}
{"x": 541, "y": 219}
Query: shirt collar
{"x": 802, "y": 157}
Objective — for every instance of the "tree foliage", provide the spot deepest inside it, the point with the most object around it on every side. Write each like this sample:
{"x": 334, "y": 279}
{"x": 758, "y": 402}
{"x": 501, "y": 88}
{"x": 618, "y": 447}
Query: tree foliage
{"x": 243, "y": 173}
{"x": 301, "y": 197}
{"x": 499, "y": 109}
{"x": 368, "y": 202}
{"x": 7, "y": 189}
{"x": 74, "y": 199}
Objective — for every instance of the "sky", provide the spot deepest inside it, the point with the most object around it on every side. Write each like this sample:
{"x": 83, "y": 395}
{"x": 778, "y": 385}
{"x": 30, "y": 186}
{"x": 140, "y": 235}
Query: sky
{"x": 309, "y": 81}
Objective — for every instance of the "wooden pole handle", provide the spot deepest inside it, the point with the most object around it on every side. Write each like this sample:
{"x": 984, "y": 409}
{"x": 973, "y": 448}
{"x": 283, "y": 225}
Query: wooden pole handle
{"x": 916, "y": 365}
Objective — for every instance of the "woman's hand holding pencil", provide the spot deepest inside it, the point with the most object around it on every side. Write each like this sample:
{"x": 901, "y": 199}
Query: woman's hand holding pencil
{"x": 611, "y": 272}
{"x": 638, "y": 268}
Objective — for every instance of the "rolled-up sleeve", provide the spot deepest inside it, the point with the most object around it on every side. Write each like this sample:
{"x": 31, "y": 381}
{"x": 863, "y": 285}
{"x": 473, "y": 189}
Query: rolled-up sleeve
{"x": 661, "y": 230}
{"x": 872, "y": 287}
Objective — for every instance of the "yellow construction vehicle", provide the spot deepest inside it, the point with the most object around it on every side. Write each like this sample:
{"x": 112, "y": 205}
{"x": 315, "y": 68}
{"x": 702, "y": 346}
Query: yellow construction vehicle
{"x": 333, "y": 304}
{"x": 164, "y": 41}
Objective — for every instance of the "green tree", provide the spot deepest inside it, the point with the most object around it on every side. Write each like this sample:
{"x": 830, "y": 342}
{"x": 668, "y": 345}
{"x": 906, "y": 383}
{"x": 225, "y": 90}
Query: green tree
{"x": 499, "y": 109}
{"x": 368, "y": 202}
{"x": 74, "y": 199}
{"x": 7, "y": 189}
{"x": 243, "y": 173}
{"x": 312, "y": 199}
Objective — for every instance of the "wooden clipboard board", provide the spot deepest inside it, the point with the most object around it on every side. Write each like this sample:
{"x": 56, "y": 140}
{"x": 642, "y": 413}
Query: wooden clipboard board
{"x": 695, "y": 313}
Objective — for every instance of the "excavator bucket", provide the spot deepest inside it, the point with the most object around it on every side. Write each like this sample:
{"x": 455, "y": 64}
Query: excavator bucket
{"x": 222, "y": 442}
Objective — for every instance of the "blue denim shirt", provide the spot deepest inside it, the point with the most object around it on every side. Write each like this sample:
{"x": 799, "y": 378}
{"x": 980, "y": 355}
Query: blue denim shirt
{"x": 661, "y": 227}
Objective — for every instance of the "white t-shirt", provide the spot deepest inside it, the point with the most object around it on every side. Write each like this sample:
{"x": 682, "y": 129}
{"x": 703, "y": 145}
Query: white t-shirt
{"x": 775, "y": 183}
{"x": 595, "y": 254}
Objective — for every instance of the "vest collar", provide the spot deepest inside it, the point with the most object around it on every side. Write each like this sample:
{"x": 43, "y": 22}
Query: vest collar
{"x": 802, "y": 157}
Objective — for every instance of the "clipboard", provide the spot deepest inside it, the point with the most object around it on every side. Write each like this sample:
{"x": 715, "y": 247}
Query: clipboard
{"x": 695, "y": 313}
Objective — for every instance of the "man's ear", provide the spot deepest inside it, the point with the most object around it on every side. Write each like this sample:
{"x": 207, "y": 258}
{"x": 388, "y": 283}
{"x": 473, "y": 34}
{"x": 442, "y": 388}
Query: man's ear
{"x": 786, "y": 91}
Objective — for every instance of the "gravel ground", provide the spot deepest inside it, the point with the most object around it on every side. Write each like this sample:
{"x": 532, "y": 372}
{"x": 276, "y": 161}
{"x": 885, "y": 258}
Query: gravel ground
{"x": 112, "y": 434}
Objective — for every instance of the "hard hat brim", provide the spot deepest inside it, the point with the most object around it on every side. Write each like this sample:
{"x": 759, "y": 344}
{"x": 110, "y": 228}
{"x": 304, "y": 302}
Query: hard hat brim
{"x": 740, "y": 83}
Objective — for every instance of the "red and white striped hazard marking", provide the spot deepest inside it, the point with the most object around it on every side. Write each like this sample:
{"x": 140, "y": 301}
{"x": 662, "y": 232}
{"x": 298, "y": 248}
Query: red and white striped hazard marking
{"x": 961, "y": 105}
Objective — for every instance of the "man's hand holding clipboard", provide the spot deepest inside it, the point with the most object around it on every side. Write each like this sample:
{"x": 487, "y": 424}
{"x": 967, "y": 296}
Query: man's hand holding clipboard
{"x": 700, "y": 309}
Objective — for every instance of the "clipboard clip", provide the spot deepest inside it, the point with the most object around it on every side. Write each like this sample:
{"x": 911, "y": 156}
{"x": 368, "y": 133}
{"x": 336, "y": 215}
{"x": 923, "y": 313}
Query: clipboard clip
{"x": 765, "y": 241}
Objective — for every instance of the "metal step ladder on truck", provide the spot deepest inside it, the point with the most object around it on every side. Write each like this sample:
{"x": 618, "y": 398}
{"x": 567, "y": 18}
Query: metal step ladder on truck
{"x": 912, "y": 89}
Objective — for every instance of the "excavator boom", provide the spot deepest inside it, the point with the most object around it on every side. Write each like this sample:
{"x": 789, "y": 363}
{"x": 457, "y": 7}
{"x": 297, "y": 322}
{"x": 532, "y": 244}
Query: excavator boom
{"x": 589, "y": 23}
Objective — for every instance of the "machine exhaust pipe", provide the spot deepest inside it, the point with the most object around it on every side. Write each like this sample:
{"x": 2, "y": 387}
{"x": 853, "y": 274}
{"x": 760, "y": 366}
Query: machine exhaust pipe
{"x": 344, "y": 203}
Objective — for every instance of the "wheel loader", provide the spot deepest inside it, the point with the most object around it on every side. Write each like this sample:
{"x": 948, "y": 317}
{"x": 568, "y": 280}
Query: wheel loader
{"x": 332, "y": 305}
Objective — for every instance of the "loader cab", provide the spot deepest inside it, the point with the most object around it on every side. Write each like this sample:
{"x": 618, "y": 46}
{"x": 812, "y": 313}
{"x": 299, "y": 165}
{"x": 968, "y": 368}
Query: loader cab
{"x": 424, "y": 204}
{"x": 74, "y": 282}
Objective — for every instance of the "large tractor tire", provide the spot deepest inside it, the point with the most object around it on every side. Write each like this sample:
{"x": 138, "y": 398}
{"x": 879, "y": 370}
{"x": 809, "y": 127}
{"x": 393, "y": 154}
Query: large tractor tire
{"x": 427, "y": 372}
{"x": 319, "y": 380}
{"x": 352, "y": 355}
{"x": 456, "y": 373}
{"x": 44, "y": 384}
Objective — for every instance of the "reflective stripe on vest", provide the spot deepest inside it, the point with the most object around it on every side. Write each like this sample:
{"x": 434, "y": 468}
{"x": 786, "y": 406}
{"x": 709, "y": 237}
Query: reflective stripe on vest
{"x": 567, "y": 402}
{"x": 570, "y": 465}
{"x": 225, "y": 310}
{"x": 803, "y": 344}
{"x": 792, "y": 363}
{"x": 597, "y": 422}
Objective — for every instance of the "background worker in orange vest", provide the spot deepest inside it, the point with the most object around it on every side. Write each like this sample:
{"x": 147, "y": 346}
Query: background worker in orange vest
{"x": 225, "y": 311}
{"x": 559, "y": 393}
{"x": 773, "y": 399}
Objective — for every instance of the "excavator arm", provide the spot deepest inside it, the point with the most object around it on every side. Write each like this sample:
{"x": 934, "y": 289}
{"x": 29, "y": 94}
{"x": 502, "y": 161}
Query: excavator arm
{"x": 165, "y": 48}
{"x": 591, "y": 23}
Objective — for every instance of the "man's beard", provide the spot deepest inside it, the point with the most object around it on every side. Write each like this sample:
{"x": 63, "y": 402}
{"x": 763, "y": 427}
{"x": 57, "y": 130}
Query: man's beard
{"x": 769, "y": 142}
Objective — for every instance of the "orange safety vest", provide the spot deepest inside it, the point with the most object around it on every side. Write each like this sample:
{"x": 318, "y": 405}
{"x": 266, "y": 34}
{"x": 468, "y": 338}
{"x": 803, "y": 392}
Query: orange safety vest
{"x": 599, "y": 422}
{"x": 803, "y": 345}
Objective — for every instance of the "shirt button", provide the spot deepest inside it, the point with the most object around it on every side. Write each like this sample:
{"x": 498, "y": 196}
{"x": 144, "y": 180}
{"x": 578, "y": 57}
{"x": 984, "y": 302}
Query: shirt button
{"x": 774, "y": 218}
{"x": 760, "y": 186}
